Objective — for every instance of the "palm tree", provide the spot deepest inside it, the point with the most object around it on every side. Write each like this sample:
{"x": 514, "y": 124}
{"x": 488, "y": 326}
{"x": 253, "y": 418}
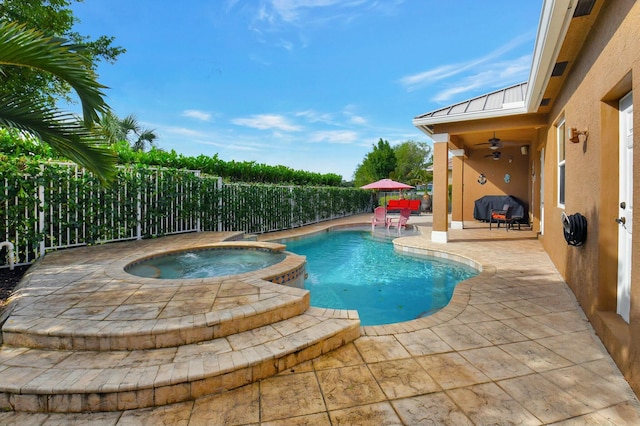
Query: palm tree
{"x": 63, "y": 131}
{"x": 144, "y": 136}
{"x": 111, "y": 128}
{"x": 116, "y": 130}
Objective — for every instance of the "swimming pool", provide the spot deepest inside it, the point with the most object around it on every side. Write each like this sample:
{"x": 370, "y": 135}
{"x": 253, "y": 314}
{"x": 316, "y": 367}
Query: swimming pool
{"x": 356, "y": 269}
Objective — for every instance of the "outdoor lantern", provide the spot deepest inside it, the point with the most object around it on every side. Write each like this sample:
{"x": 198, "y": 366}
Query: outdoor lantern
{"x": 577, "y": 136}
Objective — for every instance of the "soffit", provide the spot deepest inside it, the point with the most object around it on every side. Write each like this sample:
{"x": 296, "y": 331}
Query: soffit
{"x": 577, "y": 33}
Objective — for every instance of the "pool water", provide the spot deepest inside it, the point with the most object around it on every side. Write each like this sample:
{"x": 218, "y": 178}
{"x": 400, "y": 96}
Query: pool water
{"x": 359, "y": 270}
{"x": 205, "y": 263}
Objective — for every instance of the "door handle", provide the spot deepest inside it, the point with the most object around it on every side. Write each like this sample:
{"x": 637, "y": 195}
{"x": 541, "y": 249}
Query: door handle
{"x": 623, "y": 205}
{"x": 621, "y": 221}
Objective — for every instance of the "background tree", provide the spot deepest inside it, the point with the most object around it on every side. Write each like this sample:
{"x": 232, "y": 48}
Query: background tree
{"x": 53, "y": 18}
{"x": 420, "y": 177}
{"x": 377, "y": 164}
{"x": 412, "y": 160}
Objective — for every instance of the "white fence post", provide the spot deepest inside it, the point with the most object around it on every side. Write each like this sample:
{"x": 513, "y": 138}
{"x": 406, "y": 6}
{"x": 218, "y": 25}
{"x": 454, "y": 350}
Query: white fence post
{"x": 41, "y": 219}
{"x": 139, "y": 211}
{"x": 219, "y": 188}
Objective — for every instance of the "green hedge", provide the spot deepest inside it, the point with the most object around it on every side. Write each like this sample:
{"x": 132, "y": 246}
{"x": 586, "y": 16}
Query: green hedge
{"x": 52, "y": 205}
{"x": 232, "y": 171}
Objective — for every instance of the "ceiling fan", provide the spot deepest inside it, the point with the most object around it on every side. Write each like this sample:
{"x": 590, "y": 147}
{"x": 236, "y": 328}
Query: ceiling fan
{"x": 494, "y": 143}
{"x": 495, "y": 155}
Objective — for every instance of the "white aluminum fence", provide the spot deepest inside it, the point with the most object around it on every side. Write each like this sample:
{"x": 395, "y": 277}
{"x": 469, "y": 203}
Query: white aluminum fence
{"x": 64, "y": 206}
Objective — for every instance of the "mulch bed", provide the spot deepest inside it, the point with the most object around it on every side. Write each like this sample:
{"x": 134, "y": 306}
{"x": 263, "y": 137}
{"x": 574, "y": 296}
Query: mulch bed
{"x": 9, "y": 279}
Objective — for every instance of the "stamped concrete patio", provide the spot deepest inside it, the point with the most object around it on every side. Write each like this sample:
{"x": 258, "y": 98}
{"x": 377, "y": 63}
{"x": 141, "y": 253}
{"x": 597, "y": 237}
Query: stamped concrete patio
{"x": 513, "y": 347}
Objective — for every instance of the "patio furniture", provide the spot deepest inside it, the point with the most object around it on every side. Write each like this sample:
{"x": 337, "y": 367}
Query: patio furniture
{"x": 485, "y": 205}
{"x": 400, "y": 222}
{"x": 503, "y": 215}
{"x": 379, "y": 218}
{"x": 398, "y": 205}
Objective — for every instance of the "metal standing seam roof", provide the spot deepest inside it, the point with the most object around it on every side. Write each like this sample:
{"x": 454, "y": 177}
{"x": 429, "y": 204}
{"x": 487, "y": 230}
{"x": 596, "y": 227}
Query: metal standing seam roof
{"x": 498, "y": 100}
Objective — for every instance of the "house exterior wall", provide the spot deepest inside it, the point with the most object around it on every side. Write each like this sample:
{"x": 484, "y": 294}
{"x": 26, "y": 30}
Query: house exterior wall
{"x": 512, "y": 162}
{"x": 607, "y": 68}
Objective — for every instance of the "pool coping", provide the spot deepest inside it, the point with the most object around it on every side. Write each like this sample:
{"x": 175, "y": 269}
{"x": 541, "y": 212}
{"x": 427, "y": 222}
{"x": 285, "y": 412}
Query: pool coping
{"x": 273, "y": 273}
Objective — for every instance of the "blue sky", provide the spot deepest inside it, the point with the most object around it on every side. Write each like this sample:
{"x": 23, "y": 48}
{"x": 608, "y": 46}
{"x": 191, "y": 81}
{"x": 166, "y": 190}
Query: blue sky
{"x": 309, "y": 84}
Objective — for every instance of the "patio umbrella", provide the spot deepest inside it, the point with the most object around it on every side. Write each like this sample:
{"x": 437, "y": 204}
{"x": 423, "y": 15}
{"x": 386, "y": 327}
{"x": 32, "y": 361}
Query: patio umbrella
{"x": 386, "y": 185}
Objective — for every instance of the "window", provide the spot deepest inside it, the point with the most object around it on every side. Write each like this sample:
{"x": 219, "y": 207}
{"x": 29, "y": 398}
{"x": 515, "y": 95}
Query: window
{"x": 562, "y": 135}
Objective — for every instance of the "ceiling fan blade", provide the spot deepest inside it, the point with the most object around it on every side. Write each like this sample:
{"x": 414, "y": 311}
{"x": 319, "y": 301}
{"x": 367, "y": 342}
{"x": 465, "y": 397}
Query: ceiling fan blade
{"x": 494, "y": 142}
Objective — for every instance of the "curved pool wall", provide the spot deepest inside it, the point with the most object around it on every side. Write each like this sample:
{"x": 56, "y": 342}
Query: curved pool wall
{"x": 292, "y": 272}
{"x": 288, "y": 270}
{"x": 342, "y": 285}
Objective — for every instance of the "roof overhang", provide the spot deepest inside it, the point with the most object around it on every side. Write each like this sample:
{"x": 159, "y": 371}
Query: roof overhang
{"x": 554, "y": 22}
{"x": 425, "y": 123}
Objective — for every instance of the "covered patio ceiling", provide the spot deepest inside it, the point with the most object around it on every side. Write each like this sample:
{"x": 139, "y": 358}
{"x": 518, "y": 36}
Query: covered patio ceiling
{"x": 474, "y": 136}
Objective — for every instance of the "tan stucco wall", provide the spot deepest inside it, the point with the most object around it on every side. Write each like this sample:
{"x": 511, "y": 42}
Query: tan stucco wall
{"x": 602, "y": 73}
{"x": 512, "y": 162}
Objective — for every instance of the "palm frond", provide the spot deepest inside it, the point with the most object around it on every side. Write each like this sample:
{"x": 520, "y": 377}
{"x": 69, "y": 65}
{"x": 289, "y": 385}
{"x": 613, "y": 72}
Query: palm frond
{"x": 23, "y": 47}
{"x": 64, "y": 132}
{"x": 111, "y": 128}
{"x": 130, "y": 124}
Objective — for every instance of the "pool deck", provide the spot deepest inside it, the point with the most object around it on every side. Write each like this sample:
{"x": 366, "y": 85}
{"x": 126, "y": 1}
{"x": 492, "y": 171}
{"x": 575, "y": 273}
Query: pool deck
{"x": 512, "y": 347}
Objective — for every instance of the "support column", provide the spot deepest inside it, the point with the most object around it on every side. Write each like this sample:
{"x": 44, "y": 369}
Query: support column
{"x": 440, "y": 182}
{"x": 457, "y": 219}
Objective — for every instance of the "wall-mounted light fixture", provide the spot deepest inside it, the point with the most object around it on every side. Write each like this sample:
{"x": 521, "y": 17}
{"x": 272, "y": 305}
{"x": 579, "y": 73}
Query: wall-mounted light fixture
{"x": 578, "y": 136}
{"x": 524, "y": 149}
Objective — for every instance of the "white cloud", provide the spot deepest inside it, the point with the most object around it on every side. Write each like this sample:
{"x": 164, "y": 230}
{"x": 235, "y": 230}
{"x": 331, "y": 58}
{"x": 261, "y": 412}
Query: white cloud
{"x": 353, "y": 118}
{"x": 334, "y": 136}
{"x": 316, "y": 117}
{"x": 267, "y": 121}
{"x": 356, "y": 119}
{"x": 333, "y": 119}
{"x": 422, "y": 79}
{"x": 281, "y": 16}
{"x": 292, "y": 10}
{"x": 181, "y": 131}
{"x": 485, "y": 65}
{"x": 198, "y": 115}
{"x": 518, "y": 67}
{"x": 185, "y": 140}
{"x": 493, "y": 76}
{"x": 446, "y": 95}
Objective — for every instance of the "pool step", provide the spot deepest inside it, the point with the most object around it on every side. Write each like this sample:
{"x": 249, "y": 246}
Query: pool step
{"x": 83, "y": 335}
{"x": 71, "y": 381}
{"x": 250, "y": 304}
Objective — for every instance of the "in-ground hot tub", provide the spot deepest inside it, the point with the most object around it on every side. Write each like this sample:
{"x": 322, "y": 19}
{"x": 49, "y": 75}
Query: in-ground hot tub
{"x": 268, "y": 261}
